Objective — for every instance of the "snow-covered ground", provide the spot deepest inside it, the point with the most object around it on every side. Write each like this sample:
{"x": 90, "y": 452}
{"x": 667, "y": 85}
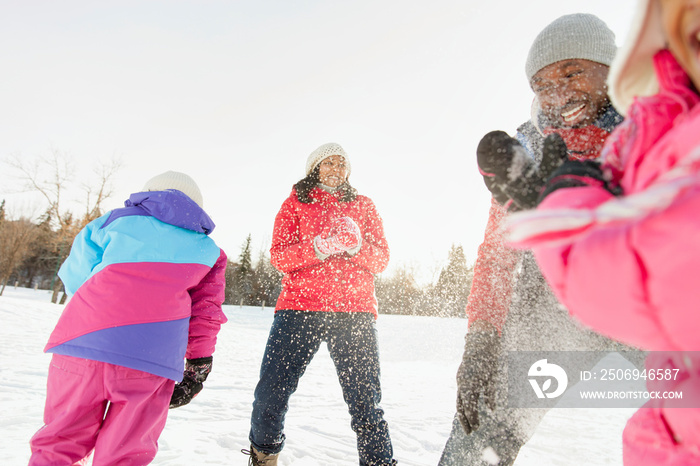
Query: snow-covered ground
{"x": 419, "y": 357}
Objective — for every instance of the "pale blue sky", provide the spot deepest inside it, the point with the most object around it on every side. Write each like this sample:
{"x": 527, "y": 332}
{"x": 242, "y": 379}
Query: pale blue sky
{"x": 238, "y": 93}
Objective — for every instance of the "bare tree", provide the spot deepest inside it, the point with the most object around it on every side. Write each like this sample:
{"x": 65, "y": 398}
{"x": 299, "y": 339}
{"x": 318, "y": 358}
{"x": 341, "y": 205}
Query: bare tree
{"x": 97, "y": 194}
{"x": 52, "y": 176}
{"x": 16, "y": 240}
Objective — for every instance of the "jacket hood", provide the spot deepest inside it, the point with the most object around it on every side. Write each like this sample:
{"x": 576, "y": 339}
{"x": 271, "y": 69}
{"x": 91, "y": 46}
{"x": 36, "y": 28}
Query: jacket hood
{"x": 632, "y": 71}
{"x": 174, "y": 208}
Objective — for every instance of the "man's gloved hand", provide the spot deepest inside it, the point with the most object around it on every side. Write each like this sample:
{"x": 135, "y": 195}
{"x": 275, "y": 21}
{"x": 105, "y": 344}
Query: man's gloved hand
{"x": 494, "y": 156}
{"x": 196, "y": 372}
{"x": 575, "y": 173}
{"x": 343, "y": 235}
{"x": 514, "y": 173}
{"x": 477, "y": 374}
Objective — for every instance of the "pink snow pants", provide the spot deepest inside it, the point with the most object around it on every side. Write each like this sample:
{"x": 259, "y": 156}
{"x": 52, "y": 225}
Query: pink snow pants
{"x": 118, "y": 412}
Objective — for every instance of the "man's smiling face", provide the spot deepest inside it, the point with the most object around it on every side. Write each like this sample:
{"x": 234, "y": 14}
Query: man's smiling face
{"x": 571, "y": 93}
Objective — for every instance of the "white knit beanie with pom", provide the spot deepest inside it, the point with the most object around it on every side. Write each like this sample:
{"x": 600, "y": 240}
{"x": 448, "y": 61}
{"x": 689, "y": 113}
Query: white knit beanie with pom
{"x": 175, "y": 180}
{"x": 323, "y": 152}
{"x": 578, "y": 36}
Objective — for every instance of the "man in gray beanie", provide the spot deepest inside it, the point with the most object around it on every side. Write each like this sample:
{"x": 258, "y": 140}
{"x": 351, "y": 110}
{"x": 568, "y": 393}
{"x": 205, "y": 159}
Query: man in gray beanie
{"x": 583, "y": 36}
{"x": 510, "y": 307}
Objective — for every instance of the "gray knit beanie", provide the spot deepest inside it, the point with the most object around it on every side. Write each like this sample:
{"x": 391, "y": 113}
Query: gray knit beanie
{"x": 175, "y": 180}
{"x": 577, "y": 36}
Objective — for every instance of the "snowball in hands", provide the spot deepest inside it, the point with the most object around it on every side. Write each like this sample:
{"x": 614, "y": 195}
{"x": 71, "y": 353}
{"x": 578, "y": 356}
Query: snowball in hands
{"x": 343, "y": 235}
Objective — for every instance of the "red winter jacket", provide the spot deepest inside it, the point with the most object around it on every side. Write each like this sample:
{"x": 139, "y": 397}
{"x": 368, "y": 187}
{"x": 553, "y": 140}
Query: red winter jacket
{"x": 340, "y": 283}
{"x": 494, "y": 273}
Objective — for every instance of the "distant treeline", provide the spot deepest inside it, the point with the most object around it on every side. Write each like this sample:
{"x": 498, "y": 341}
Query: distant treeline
{"x": 260, "y": 284}
{"x": 31, "y": 251}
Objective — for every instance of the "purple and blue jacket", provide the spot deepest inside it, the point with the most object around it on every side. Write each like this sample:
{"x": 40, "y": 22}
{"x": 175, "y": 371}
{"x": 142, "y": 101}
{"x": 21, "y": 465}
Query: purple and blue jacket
{"x": 147, "y": 285}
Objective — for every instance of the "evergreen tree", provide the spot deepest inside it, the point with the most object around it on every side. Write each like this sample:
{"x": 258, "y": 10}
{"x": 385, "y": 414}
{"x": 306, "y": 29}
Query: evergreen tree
{"x": 40, "y": 266}
{"x": 399, "y": 294}
{"x": 267, "y": 281}
{"x": 452, "y": 288}
{"x": 229, "y": 290}
{"x": 242, "y": 277}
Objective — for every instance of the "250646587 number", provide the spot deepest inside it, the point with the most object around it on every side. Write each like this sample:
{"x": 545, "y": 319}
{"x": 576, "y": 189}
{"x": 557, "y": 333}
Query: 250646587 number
{"x": 636, "y": 374}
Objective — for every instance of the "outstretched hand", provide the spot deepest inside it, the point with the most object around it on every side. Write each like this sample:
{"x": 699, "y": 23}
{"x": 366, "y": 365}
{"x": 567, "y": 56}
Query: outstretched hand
{"x": 494, "y": 156}
{"x": 510, "y": 174}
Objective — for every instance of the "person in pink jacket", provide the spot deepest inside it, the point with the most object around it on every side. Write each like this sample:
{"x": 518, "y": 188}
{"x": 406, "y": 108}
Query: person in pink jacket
{"x": 618, "y": 242}
{"x": 328, "y": 240}
{"x": 146, "y": 284}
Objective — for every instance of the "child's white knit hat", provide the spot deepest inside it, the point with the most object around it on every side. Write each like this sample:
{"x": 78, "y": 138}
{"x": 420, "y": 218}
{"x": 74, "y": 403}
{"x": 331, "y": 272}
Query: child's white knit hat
{"x": 632, "y": 72}
{"x": 175, "y": 180}
{"x": 324, "y": 151}
{"x": 577, "y": 36}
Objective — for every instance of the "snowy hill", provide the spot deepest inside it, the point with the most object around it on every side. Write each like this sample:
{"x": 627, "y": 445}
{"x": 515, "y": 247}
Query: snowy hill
{"x": 419, "y": 357}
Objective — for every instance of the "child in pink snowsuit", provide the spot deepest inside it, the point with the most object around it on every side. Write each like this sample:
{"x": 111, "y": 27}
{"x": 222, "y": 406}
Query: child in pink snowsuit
{"x": 147, "y": 284}
{"x": 620, "y": 245}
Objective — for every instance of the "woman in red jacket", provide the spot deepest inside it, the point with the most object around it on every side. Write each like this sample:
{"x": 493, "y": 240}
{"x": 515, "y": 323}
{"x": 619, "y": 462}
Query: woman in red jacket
{"x": 329, "y": 242}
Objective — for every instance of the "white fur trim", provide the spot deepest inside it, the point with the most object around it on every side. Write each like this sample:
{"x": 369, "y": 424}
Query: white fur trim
{"x": 632, "y": 71}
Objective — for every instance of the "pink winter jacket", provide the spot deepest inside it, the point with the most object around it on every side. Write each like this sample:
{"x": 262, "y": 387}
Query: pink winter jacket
{"x": 629, "y": 266}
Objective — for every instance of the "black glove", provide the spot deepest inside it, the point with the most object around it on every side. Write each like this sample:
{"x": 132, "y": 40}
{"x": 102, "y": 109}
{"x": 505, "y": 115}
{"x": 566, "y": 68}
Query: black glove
{"x": 196, "y": 372}
{"x": 496, "y": 191}
{"x": 524, "y": 189}
{"x": 514, "y": 173}
{"x": 575, "y": 173}
{"x": 494, "y": 155}
{"x": 477, "y": 374}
